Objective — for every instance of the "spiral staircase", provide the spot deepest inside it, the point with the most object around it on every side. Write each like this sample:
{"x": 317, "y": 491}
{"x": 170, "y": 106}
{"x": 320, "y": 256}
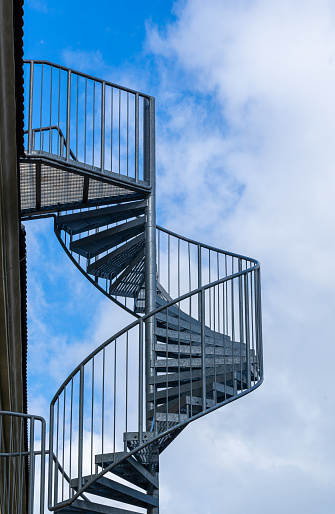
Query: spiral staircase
{"x": 195, "y": 343}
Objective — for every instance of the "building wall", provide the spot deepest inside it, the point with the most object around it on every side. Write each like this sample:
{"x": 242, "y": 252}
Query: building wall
{"x": 11, "y": 359}
{"x": 13, "y": 342}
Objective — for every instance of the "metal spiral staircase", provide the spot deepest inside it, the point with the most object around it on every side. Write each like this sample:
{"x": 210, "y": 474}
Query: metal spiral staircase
{"x": 196, "y": 341}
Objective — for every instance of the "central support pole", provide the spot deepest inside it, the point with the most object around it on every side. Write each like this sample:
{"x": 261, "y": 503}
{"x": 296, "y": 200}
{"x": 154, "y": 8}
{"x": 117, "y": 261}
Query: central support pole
{"x": 149, "y": 175}
{"x": 149, "y": 164}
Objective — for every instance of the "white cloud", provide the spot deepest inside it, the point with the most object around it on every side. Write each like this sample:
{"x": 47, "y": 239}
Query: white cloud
{"x": 259, "y": 182}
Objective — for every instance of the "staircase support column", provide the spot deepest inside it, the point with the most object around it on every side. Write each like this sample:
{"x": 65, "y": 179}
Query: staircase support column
{"x": 149, "y": 162}
{"x": 155, "y": 493}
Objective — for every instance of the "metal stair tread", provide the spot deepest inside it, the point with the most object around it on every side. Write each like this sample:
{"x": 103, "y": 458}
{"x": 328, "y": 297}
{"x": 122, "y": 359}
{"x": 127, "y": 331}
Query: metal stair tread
{"x": 115, "y": 262}
{"x": 173, "y": 405}
{"x": 95, "y": 218}
{"x": 130, "y": 281}
{"x": 214, "y": 338}
{"x": 222, "y": 373}
{"x": 174, "y": 322}
{"x": 113, "y": 490}
{"x": 91, "y": 507}
{"x": 95, "y": 244}
{"x": 130, "y": 469}
{"x": 174, "y": 350}
{"x": 195, "y": 386}
{"x": 195, "y": 362}
{"x": 170, "y": 416}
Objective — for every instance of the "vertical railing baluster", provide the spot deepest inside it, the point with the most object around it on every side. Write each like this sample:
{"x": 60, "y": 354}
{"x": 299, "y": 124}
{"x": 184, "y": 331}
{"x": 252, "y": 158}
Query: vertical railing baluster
{"x": 92, "y": 416}
{"x": 56, "y": 456}
{"x": 85, "y": 121}
{"x": 63, "y": 443}
{"x": 203, "y": 347}
{"x": 41, "y": 109}
{"x": 112, "y": 114}
{"x": 31, "y": 467}
{"x": 199, "y": 277}
{"x": 178, "y": 267}
{"x": 137, "y": 136}
{"x": 103, "y": 128}
{"x": 127, "y": 357}
{"x": 169, "y": 273}
{"x": 119, "y": 130}
{"x": 51, "y": 452}
{"x": 70, "y": 450}
{"x": 103, "y": 406}
{"x": 93, "y": 134}
{"x": 240, "y": 301}
{"x": 42, "y": 477}
{"x": 252, "y": 316}
{"x": 68, "y": 114}
{"x": 77, "y": 118}
{"x": 247, "y": 331}
{"x": 59, "y": 143}
{"x": 159, "y": 255}
{"x": 259, "y": 321}
{"x": 81, "y": 427}
{"x": 114, "y": 400}
{"x": 50, "y": 117}
{"x": 127, "y": 134}
{"x": 30, "y": 115}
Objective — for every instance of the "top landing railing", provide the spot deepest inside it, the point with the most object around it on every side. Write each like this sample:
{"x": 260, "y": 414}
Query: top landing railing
{"x": 77, "y": 118}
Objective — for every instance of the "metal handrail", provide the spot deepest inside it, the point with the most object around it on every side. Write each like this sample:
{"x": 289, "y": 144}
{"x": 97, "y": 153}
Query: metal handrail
{"x": 86, "y": 75}
{"x": 60, "y": 134}
{"x": 206, "y": 246}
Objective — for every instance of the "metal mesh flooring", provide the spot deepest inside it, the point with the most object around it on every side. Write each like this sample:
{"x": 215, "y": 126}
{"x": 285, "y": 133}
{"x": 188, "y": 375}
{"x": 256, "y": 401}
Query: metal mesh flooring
{"x": 44, "y": 187}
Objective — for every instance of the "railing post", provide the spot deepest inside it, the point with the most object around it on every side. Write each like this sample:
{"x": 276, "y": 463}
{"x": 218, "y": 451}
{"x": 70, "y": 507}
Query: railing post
{"x": 30, "y": 115}
{"x": 68, "y": 114}
{"x": 149, "y": 175}
{"x": 247, "y": 331}
{"x": 203, "y": 348}
{"x": 259, "y": 340}
{"x": 42, "y": 478}
{"x": 199, "y": 277}
{"x": 103, "y": 107}
{"x": 240, "y": 302}
{"x": 51, "y": 450}
{"x": 31, "y": 467}
{"x": 81, "y": 427}
{"x": 136, "y": 136}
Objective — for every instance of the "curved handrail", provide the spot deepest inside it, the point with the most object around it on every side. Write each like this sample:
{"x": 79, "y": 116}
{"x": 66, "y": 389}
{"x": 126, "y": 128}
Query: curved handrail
{"x": 206, "y": 246}
{"x": 203, "y": 290}
{"x": 184, "y": 264}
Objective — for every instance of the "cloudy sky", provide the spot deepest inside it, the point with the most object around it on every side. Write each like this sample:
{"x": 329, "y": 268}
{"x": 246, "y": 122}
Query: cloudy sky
{"x": 245, "y": 98}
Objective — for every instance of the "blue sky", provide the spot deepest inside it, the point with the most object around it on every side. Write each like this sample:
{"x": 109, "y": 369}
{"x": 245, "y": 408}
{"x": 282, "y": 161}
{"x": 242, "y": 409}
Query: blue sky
{"x": 245, "y": 161}
{"x": 117, "y": 30}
